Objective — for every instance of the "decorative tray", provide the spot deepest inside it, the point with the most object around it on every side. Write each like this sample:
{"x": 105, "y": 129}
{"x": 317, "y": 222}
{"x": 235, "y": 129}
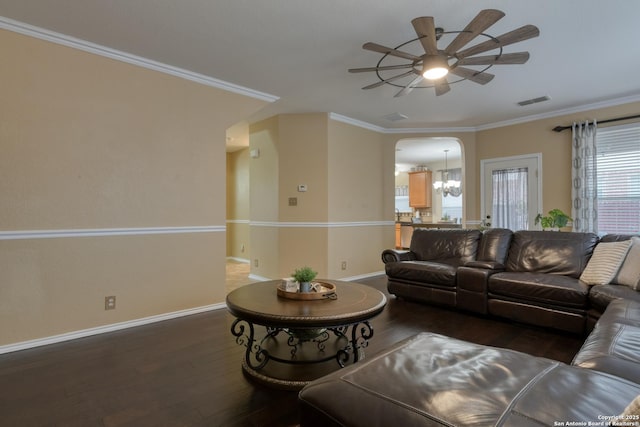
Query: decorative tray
{"x": 319, "y": 290}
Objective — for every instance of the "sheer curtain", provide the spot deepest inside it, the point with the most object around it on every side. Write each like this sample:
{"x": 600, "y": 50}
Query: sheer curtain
{"x": 584, "y": 177}
{"x": 510, "y": 199}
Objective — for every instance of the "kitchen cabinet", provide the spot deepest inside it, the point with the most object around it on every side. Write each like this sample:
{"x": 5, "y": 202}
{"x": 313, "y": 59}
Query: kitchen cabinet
{"x": 420, "y": 189}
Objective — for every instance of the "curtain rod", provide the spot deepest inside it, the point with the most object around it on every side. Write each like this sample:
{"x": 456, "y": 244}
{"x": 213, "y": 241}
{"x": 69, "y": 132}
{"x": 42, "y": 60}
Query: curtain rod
{"x": 617, "y": 119}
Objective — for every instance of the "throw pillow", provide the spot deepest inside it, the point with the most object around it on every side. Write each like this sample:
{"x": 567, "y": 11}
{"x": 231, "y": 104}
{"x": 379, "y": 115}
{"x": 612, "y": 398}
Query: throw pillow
{"x": 629, "y": 273}
{"x": 605, "y": 262}
{"x": 632, "y": 410}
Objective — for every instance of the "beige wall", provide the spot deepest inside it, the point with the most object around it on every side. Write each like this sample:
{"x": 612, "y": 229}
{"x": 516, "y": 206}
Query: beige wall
{"x": 538, "y": 137}
{"x": 238, "y": 211}
{"x": 91, "y": 143}
{"x": 263, "y": 198}
{"x": 293, "y": 151}
{"x": 525, "y": 138}
{"x": 303, "y": 156}
{"x": 356, "y": 201}
{"x": 338, "y": 218}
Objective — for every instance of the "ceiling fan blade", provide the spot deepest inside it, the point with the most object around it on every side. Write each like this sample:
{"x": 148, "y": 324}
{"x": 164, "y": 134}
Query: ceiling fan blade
{"x": 505, "y": 58}
{"x": 481, "y": 22}
{"x": 383, "y": 68}
{"x": 442, "y": 86}
{"x": 408, "y": 88}
{"x": 473, "y": 75}
{"x": 426, "y": 31}
{"x": 515, "y": 36}
{"x": 390, "y": 79}
{"x": 389, "y": 51}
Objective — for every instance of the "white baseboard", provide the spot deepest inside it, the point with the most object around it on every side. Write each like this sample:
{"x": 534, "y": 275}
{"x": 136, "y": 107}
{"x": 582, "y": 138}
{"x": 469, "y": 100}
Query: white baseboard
{"x": 24, "y": 345}
{"x": 236, "y": 259}
{"x": 107, "y": 328}
{"x": 363, "y": 276}
{"x": 347, "y": 279}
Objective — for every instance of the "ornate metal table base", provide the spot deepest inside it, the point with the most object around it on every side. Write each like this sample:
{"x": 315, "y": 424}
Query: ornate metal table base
{"x": 294, "y": 348}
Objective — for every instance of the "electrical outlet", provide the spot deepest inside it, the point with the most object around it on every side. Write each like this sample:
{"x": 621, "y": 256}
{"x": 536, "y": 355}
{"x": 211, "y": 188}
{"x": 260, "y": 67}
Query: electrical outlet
{"x": 293, "y": 201}
{"x": 344, "y": 265}
{"x": 256, "y": 263}
{"x": 110, "y": 302}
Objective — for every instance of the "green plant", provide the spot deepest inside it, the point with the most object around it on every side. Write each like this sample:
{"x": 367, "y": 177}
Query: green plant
{"x": 304, "y": 274}
{"x": 555, "y": 219}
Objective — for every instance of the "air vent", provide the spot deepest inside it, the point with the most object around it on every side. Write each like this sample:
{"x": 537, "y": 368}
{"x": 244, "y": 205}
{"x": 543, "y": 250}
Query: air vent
{"x": 534, "y": 100}
{"x": 394, "y": 117}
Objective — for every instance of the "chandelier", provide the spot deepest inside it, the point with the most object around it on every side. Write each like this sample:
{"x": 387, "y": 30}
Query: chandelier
{"x": 446, "y": 186}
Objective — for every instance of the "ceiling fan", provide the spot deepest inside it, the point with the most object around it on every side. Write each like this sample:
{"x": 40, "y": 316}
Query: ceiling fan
{"x": 436, "y": 64}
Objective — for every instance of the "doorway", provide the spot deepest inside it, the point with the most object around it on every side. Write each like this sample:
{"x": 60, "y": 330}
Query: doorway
{"x": 510, "y": 191}
{"x": 237, "y": 206}
{"x": 443, "y": 158}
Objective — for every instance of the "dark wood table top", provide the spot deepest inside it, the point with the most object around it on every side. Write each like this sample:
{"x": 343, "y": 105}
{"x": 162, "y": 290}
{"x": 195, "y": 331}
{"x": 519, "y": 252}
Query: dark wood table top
{"x": 259, "y": 303}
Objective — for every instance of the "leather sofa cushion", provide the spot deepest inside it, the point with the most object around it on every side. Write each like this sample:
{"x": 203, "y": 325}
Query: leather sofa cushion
{"x": 551, "y": 252}
{"x": 548, "y": 289}
{"x": 629, "y": 273}
{"x": 601, "y": 296}
{"x": 612, "y": 348}
{"x": 623, "y": 311}
{"x": 494, "y": 245}
{"x": 453, "y": 247}
{"x": 423, "y": 272}
{"x": 432, "y": 380}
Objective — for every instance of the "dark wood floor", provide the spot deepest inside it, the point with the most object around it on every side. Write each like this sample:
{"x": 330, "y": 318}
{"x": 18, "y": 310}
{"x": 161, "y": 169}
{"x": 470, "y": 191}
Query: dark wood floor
{"x": 186, "y": 372}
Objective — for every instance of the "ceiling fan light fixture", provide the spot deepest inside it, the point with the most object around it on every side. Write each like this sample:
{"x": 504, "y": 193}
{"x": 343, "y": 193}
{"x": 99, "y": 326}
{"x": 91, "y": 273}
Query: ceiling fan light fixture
{"x": 435, "y": 67}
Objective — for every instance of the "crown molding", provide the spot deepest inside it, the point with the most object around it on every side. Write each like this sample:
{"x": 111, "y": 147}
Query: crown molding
{"x": 563, "y": 112}
{"x": 65, "y": 40}
{"x": 549, "y": 115}
{"x": 355, "y": 122}
{"x": 461, "y": 129}
{"x": 379, "y": 129}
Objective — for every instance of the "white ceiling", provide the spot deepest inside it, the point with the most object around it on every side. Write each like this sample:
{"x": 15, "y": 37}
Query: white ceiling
{"x": 300, "y": 50}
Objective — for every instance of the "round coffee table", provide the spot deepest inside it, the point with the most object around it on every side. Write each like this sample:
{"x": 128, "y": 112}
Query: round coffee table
{"x": 303, "y": 339}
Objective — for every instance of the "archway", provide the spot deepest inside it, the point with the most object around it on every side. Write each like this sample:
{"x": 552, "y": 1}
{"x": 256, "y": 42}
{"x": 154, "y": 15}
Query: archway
{"x": 443, "y": 158}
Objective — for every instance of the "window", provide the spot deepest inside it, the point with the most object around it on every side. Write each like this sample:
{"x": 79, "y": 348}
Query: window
{"x": 510, "y": 198}
{"x": 452, "y": 197}
{"x": 452, "y": 208}
{"x": 618, "y": 179}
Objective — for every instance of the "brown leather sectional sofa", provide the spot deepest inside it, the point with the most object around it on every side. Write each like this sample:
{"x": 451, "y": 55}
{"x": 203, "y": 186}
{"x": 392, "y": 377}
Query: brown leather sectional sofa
{"x": 527, "y": 276}
{"x": 432, "y": 380}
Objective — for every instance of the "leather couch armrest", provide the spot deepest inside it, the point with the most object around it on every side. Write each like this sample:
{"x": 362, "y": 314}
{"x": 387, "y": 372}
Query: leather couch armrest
{"x": 472, "y": 282}
{"x": 392, "y": 255}
{"x": 487, "y": 265}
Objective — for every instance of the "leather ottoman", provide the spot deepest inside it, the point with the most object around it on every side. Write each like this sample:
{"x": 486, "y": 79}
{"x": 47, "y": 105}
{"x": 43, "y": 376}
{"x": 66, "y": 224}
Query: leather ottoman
{"x": 433, "y": 380}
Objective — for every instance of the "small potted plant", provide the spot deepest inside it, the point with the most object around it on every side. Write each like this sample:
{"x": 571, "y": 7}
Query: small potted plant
{"x": 304, "y": 276}
{"x": 554, "y": 221}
